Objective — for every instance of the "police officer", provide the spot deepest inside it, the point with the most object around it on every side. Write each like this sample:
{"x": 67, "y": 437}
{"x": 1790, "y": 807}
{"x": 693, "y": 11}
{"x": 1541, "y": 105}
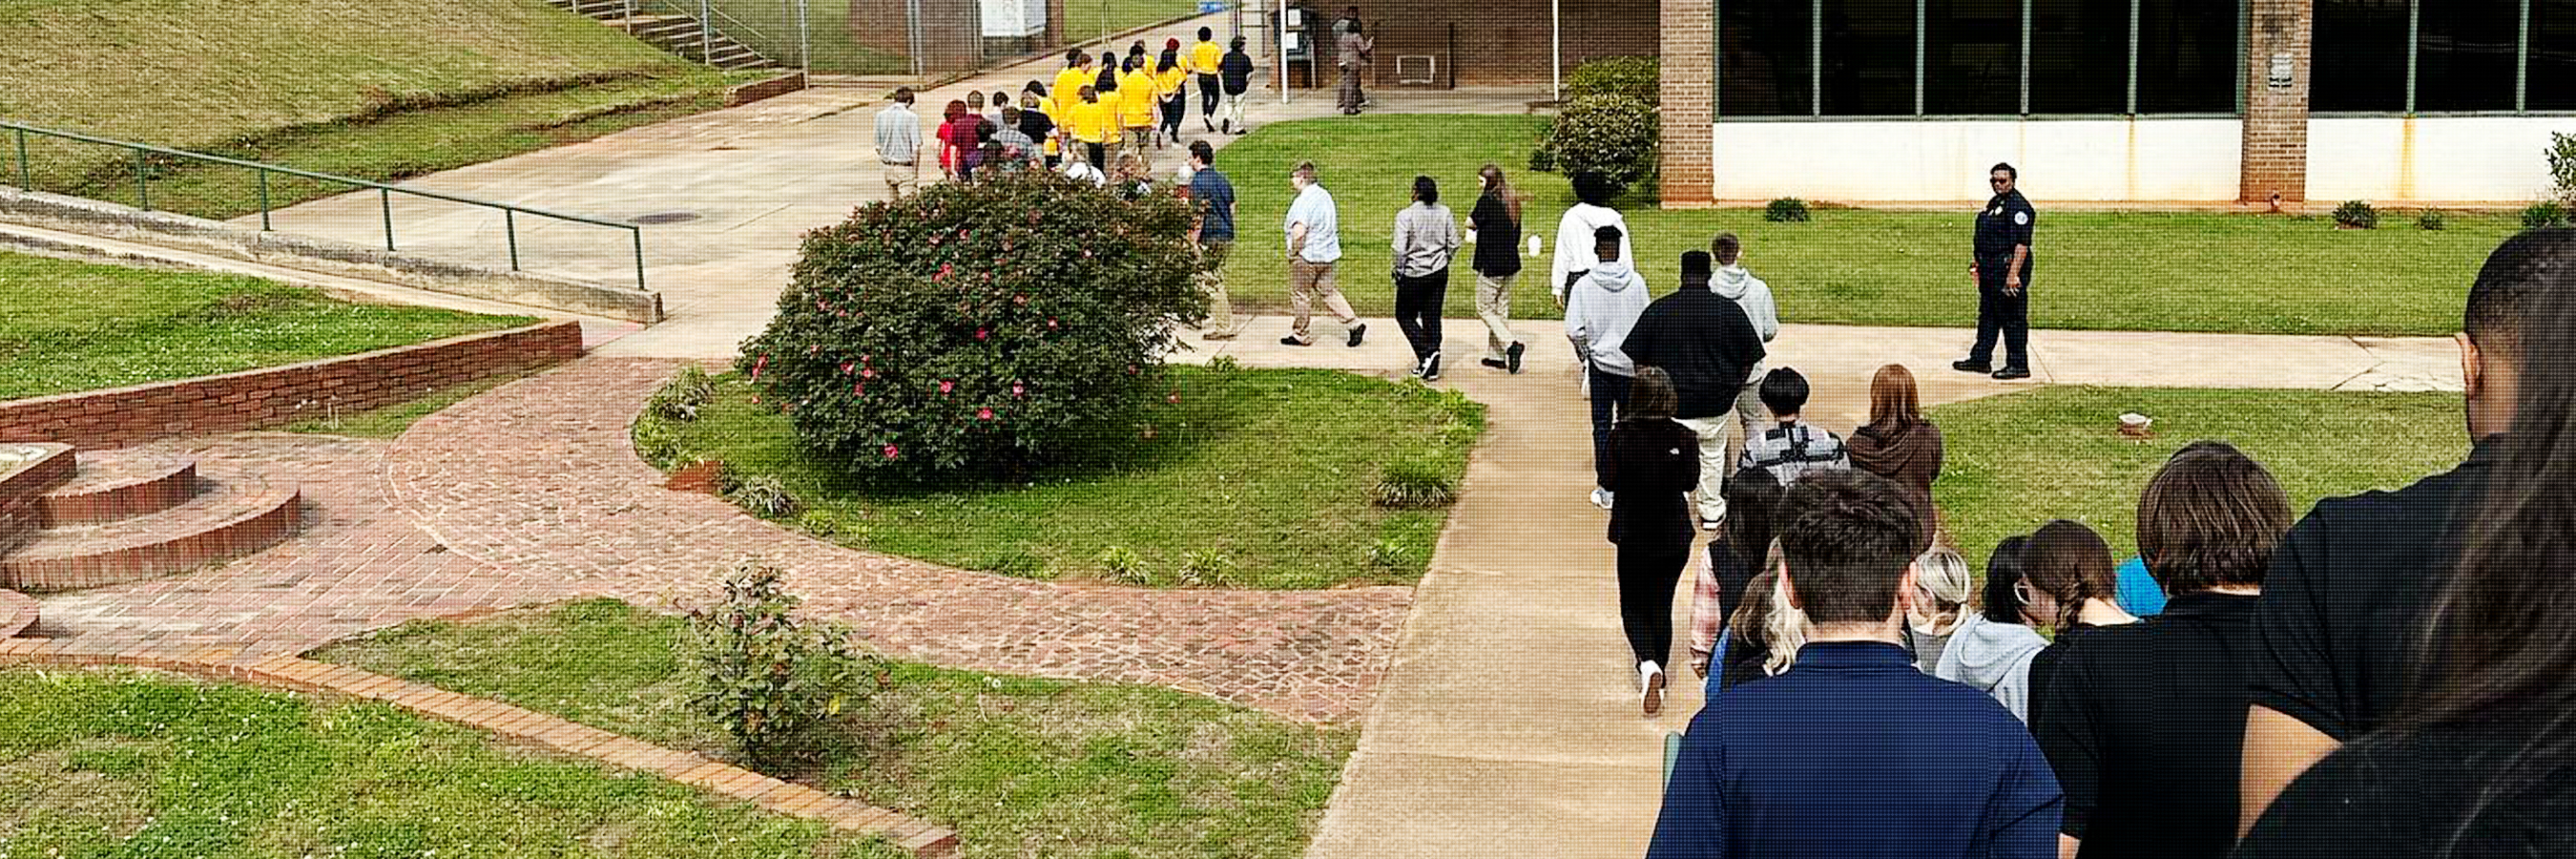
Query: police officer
{"x": 2002, "y": 273}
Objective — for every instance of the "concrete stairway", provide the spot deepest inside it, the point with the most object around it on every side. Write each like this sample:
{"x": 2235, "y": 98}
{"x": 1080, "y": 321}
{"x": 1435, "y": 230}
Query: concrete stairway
{"x": 667, "y": 25}
{"x": 108, "y": 517}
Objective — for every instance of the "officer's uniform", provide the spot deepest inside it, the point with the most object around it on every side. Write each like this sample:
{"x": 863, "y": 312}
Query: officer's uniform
{"x": 2004, "y": 222}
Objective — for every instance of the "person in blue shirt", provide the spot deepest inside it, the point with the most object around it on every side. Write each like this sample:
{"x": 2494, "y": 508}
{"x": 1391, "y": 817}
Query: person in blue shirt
{"x": 1853, "y": 752}
{"x": 2138, "y": 593}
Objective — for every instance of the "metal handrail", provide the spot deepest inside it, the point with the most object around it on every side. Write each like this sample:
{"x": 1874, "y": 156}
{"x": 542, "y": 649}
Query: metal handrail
{"x": 384, "y": 192}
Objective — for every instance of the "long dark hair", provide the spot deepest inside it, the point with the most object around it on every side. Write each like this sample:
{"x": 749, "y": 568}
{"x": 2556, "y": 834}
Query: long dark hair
{"x": 2003, "y": 570}
{"x": 2496, "y": 644}
{"x": 2071, "y": 564}
{"x": 1752, "y": 506}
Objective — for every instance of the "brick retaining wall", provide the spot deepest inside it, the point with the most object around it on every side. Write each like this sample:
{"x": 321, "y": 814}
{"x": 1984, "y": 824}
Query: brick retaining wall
{"x": 276, "y": 396}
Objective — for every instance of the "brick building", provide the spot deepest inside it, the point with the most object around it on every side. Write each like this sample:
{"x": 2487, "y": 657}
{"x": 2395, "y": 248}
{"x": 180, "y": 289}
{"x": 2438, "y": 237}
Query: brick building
{"x": 2114, "y": 100}
{"x": 1500, "y": 42}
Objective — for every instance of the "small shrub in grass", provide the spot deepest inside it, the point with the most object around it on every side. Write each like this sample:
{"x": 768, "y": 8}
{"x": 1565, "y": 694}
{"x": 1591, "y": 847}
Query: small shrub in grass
{"x": 1017, "y": 563}
{"x": 767, "y": 678}
{"x": 763, "y": 495}
{"x": 822, "y": 523}
{"x": 1125, "y": 567}
{"x": 2546, "y": 213}
{"x": 1615, "y": 136}
{"x": 2356, "y": 215}
{"x": 682, "y": 397}
{"x": 1413, "y": 482}
{"x": 1787, "y": 210}
{"x": 1386, "y": 552}
{"x": 1640, "y": 78}
{"x": 1204, "y": 567}
{"x": 657, "y": 442}
{"x": 2430, "y": 219}
{"x": 976, "y": 330}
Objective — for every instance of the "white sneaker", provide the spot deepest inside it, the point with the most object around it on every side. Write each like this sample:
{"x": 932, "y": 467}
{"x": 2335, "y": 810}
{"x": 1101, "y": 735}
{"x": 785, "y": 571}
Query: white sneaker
{"x": 1650, "y": 678}
{"x": 1601, "y": 498}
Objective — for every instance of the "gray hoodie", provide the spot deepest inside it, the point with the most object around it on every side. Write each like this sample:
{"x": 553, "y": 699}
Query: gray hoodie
{"x": 1605, "y": 304}
{"x": 1735, "y": 284}
{"x": 1994, "y": 658}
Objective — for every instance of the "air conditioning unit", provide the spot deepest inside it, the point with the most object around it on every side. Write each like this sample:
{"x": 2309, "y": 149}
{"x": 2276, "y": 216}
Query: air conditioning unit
{"x": 1417, "y": 69}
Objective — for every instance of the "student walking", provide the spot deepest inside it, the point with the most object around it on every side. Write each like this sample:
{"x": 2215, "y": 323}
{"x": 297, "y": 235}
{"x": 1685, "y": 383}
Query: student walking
{"x": 1852, "y": 751}
{"x": 1790, "y": 447}
{"x": 1037, "y": 122}
{"x": 1212, "y": 199}
{"x": 1727, "y": 571}
{"x": 1650, "y": 465}
{"x": 1235, "y": 72}
{"x": 1356, "y": 52}
{"x": 1608, "y": 297}
{"x": 1899, "y": 444}
{"x": 1206, "y": 60}
{"x": 1495, "y": 224}
{"x": 898, "y": 133}
{"x": 1574, "y": 232}
{"x": 1736, "y": 284}
{"x": 1088, "y": 126}
{"x": 1705, "y": 342}
{"x": 1314, "y": 228}
{"x": 1136, "y": 101}
{"x": 1426, "y": 238}
{"x": 1172, "y": 91}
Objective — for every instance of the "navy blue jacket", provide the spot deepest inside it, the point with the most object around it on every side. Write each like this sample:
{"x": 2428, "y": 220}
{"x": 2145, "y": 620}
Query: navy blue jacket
{"x": 1854, "y": 753}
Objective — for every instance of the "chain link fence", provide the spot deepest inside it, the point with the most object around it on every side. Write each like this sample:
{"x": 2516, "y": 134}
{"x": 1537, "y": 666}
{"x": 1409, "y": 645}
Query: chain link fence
{"x": 918, "y": 37}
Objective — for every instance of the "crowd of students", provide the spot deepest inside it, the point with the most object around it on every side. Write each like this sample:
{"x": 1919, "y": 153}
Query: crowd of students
{"x": 2391, "y": 674}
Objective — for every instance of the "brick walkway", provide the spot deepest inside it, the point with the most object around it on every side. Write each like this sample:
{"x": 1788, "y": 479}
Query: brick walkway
{"x": 531, "y": 493}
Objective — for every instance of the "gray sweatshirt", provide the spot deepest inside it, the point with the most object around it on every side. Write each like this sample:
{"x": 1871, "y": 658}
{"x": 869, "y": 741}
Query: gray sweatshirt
{"x": 1994, "y": 658}
{"x": 1426, "y": 237}
{"x": 1604, "y": 306}
{"x": 1735, "y": 284}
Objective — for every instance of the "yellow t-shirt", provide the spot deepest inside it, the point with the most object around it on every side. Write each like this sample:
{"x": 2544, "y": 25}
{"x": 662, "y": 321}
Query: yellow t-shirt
{"x": 1204, "y": 56}
{"x": 1087, "y": 120}
{"x": 1068, "y": 86}
{"x": 1136, "y": 99}
{"x": 1172, "y": 83}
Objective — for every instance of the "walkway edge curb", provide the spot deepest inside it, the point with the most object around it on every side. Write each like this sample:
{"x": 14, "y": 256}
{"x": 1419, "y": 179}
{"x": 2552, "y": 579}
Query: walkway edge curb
{"x": 297, "y": 674}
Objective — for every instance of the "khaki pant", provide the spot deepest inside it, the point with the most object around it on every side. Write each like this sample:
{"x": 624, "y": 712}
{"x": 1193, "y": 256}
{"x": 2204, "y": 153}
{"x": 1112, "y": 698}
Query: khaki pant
{"x": 1750, "y": 414}
{"x": 1230, "y": 113}
{"x": 1140, "y": 140}
{"x": 1713, "y": 440}
{"x": 1220, "y": 318}
{"x": 1494, "y": 305}
{"x": 1308, "y": 281}
{"x": 1349, "y": 97}
{"x": 902, "y": 179}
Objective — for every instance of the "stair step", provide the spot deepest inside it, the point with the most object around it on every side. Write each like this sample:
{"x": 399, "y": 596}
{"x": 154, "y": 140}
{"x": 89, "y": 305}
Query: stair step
{"x": 112, "y": 485}
{"x": 228, "y": 518}
{"x": 17, "y": 612}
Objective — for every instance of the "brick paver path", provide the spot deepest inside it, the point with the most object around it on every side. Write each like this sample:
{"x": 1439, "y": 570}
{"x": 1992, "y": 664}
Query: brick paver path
{"x": 532, "y": 493}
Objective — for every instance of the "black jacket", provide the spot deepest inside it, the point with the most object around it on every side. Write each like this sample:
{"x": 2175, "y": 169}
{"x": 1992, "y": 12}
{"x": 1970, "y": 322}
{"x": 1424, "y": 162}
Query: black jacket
{"x": 1498, "y": 237}
{"x": 1236, "y": 69}
{"x": 1703, "y": 340}
{"x": 1649, "y": 466}
{"x": 2004, "y": 222}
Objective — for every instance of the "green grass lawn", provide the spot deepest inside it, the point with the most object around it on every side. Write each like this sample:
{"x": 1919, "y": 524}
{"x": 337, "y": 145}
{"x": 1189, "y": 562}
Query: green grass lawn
{"x": 1092, "y": 19}
{"x": 101, "y": 764}
{"x": 377, "y": 91}
{"x": 1270, "y": 469}
{"x": 2015, "y": 461}
{"x": 1017, "y": 766}
{"x": 70, "y": 326}
{"x": 2095, "y": 270}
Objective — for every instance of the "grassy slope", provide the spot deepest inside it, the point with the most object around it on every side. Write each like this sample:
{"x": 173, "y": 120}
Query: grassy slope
{"x": 1271, "y": 468}
{"x": 2121, "y": 271}
{"x": 96, "y": 764}
{"x": 67, "y": 326}
{"x": 2018, "y": 460}
{"x": 1018, "y": 766}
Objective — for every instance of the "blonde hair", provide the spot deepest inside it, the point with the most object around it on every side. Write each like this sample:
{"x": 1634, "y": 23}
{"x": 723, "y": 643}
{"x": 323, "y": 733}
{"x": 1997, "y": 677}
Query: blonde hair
{"x": 1786, "y": 628}
{"x": 1943, "y": 575}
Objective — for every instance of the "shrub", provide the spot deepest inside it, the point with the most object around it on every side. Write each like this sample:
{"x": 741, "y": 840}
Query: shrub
{"x": 761, "y": 494}
{"x": 1615, "y": 136}
{"x": 1014, "y": 562}
{"x": 1787, "y": 210}
{"x": 2430, "y": 219}
{"x": 1205, "y": 567}
{"x": 1640, "y": 78}
{"x": 1386, "y": 552}
{"x": 2546, "y": 213}
{"x": 682, "y": 397}
{"x": 2356, "y": 214}
{"x": 657, "y": 441}
{"x": 822, "y": 523}
{"x": 1124, "y": 566}
{"x": 767, "y": 678}
{"x": 2562, "y": 166}
{"x": 977, "y": 329}
{"x": 1414, "y": 482}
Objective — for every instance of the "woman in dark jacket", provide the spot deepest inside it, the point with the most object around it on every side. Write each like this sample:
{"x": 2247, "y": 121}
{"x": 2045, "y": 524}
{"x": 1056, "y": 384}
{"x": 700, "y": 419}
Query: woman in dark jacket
{"x": 1657, "y": 458}
{"x": 1497, "y": 223}
{"x": 1898, "y": 444}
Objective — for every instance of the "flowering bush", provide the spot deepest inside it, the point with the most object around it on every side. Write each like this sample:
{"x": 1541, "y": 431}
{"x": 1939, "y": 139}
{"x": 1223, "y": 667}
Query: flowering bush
{"x": 1616, "y": 136}
{"x": 977, "y": 329}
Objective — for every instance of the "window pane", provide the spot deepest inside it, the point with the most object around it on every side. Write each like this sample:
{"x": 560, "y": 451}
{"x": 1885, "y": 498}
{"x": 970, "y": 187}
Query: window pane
{"x": 1762, "y": 65}
{"x": 2553, "y": 55}
{"x": 2360, "y": 56}
{"x": 1869, "y": 57}
{"x": 2079, "y": 56}
{"x": 1972, "y": 56}
{"x": 2467, "y": 54}
{"x": 2187, "y": 56}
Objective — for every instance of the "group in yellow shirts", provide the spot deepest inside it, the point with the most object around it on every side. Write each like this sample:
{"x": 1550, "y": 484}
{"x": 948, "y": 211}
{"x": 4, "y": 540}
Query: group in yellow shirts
{"x": 1105, "y": 107}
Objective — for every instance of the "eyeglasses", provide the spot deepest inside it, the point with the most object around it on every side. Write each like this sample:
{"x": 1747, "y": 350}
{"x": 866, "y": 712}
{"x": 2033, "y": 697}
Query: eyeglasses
{"x": 1998, "y": 180}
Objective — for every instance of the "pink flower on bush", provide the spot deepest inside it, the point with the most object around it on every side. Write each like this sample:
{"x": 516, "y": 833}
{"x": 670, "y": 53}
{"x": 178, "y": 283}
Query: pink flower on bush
{"x": 858, "y": 389}
{"x": 847, "y": 367}
{"x": 946, "y": 386}
{"x": 1018, "y": 389}
{"x": 984, "y": 414}
{"x": 757, "y": 366}
{"x": 889, "y": 451}
{"x": 867, "y": 373}
{"x": 981, "y": 334}
{"x": 1050, "y": 324}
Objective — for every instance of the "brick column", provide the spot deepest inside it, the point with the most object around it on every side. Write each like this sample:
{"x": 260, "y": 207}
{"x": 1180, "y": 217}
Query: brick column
{"x": 1690, "y": 101}
{"x": 2276, "y": 109}
{"x": 1055, "y": 33}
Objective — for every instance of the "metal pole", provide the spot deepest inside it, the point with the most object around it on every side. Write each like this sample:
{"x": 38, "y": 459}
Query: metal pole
{"x": 1816, "y": 58}
{"x": 2522, "y": 62}
{"x": 142, "y": 181}
{"x": 263, "y": 203}
{"x": 804, "y": 45}
{"x": 1555, "y": 50}
{"x": 2414, "y": 33}
{"x": 510, "y": 227}
{"x": 386, "y": 199}
{"x": 706, "y": 36}
{"x": 638, "y": 234}
{"x": 2134, "y": 18}
{"x": 912, "y": 33}
{"x": 2025, "y": 56}
{"x": 26, "y": 180}
{"x": 1281, "y": 44}
{"x": 1920, "y": 18}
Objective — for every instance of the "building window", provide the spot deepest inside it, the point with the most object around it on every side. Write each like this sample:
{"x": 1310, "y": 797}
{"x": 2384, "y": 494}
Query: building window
{"x": 1868, "y": 55}
{"x": 1762, "y": 67}
{"x": 2187, "y": 56}
{"x": 2079, "y": 55}
{"x": 1971, "y": 57}
{"x": 2466, "y": 54}
{"x": 2360, "y": 56}
{"x": 2550, "y": 82}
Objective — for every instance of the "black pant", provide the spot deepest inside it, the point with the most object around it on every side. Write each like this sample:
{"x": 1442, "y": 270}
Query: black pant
{"x": 1417, "y": 310}
{"x": 1648, "y": 571}
{"x": 1609, "y": 398}
{"x": 1173, "y": 109}
{"x": 1207, "y": 96}
{"x": 1097, "y": 154}
{"x": 2008, "y": 315}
